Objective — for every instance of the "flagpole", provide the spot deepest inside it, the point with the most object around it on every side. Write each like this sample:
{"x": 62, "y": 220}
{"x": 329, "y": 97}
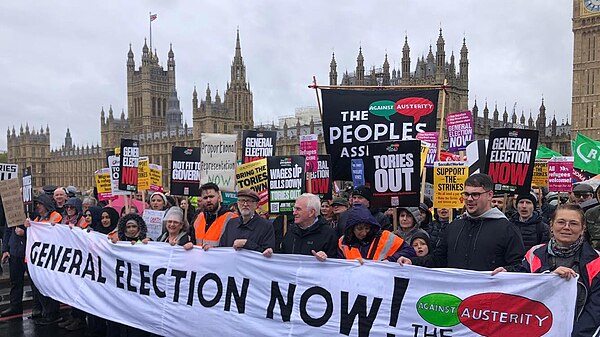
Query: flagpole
{"x": 150, "y": 18}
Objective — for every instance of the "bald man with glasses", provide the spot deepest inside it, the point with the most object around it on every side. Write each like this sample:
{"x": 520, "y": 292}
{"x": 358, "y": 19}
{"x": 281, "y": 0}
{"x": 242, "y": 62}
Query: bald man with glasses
{"x": 482, "y": 239}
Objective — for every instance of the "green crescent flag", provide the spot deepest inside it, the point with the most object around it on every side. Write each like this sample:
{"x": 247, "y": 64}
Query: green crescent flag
{"x": 545, "y": 153}
{"x": 586, "y": 153}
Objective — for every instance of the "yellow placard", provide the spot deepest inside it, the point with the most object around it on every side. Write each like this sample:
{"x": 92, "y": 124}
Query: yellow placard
{"x": 156, "y": 177}
{"x": 103, "y": 184}
{"x": 448, "y": 184}
{"x": 253, "y": 175}
{"x": 143, "y": 174}
{"x": 540, "y": 173}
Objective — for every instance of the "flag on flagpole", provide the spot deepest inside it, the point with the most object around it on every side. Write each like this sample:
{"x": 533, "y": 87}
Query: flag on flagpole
{"x": 587, "y": 154}
{"x": 153, "y": 17}
{"x": 544, "y": 152}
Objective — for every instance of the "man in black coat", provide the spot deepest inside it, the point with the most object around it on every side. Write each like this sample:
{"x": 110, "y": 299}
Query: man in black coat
{"x": 309, "y": 235}
{"x": 249, "y": 230}
{"x": 482, "y": 239}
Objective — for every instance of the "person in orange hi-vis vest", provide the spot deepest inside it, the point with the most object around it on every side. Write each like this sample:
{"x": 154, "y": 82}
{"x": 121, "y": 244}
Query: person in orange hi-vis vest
{"x": 73, "y": 216}
{"x": 364, "y": 239}
{"x": 210, "y": 224}
{"x": 45, "y": 309}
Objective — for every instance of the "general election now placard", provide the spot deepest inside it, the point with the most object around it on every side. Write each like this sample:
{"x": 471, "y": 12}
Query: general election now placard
{"x": 241, "y": 293}
{"x": 258, "y": 145}
{"x": 355, "y": 119}
{"x": 511, "y": 158}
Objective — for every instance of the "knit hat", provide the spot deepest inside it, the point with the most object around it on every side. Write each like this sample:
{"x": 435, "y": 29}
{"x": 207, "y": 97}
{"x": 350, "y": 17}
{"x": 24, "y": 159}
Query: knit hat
{"x": 530, "y": 196}
{"x": 364, "y": 192}
{"x": 414, "y": 211}
{"x": 162, "y": 195}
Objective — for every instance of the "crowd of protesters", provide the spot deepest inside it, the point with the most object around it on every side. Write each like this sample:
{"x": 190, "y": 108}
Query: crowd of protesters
{"x": 532, "y": 232}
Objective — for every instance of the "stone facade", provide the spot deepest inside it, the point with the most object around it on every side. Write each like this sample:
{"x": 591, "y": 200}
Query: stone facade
{"x": 586, "y": 68}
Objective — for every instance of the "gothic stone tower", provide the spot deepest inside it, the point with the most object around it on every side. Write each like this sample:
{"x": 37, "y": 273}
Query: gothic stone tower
{"x": 148, "y": 91}
{"x": 586, "y": 67}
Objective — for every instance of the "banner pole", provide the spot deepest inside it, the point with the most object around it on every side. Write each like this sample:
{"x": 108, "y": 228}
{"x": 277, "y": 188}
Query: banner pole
{"x": 144, "y": 198}
{"x": 442, "y": 119}
{"x": 423, "y": 178}
{"x": 318, "y": 98}
{"x": 395, "y": 219}
{"x": 284, "y": 224}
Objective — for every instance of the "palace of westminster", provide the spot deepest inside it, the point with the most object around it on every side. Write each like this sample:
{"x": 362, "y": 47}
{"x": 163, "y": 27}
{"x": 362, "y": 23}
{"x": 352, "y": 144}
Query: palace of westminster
{"x": 154, "y": 117}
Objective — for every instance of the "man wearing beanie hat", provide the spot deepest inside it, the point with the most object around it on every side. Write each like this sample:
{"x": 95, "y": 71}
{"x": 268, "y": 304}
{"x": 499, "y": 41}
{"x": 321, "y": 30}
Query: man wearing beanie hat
{"x": 362, "y": 195}
{"x": 364, "y": 239}
{"x": 482, "y": 239}
{"x": 529, "y": 221}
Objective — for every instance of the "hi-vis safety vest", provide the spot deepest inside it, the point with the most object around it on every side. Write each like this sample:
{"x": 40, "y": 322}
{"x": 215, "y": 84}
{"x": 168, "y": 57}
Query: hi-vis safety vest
{"x": 381, "y": 248}
{"x": 213, "y": 235}
{"x": 54, "y": 217}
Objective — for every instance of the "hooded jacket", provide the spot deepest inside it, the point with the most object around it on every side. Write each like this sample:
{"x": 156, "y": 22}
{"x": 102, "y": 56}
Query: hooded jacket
{"x": 533, "y": 230}
{"x": 416, "y": 215}
{"x": 51, "y": 215}
{"x": 587, "y": 319}
{"x": 77, "y": 220}
{"x": 122, "y": 227}
{"x": 361, "y": 215}
{"x": 318, "y": 237}
{"x": 480, "y": 243}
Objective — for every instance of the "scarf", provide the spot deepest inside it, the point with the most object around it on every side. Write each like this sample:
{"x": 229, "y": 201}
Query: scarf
{"x": 564, "y": 252}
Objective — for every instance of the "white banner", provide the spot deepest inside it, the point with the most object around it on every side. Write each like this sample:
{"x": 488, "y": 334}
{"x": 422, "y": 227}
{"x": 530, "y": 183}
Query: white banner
{"x": 218, "y": 156}
{"x": 169, "y": 291}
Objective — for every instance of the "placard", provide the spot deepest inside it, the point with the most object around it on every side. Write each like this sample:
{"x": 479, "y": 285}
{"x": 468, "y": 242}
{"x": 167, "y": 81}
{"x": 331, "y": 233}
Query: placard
{"x": 459, "y": 126}
{"x": 309, "y": 148}
{"x": 103, "y": 184}
{"x": 254, "y": 175}
{"x": 218, "y": 159}
{"x": 128, "y": 165}
{"x": 392, "y": 173}
{"x": 510, "y": 159}
{"x": 287, "y": 181}
{"x": 154, "y": 222}
{"x": 12, "y": 202}
{"x": 185, "y": 171}
{"x": 258, "y": 145}
{"x": 449, "y": 184}
{"x": 560, "y": 171}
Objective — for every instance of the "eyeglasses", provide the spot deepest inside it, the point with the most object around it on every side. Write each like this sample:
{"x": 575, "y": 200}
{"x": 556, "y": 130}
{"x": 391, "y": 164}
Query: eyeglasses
{"x": 572, "y": 224}
{"x": 246, "y": 201}
{"x": 474, "y": 195}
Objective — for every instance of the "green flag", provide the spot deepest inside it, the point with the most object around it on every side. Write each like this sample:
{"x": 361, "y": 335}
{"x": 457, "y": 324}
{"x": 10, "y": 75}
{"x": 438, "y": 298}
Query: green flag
{"x": 545, "y": 153}
{"x": 586, "y": 152}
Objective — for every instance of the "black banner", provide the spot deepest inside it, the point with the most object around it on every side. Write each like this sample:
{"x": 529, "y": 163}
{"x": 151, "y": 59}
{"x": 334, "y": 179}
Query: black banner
{"x": 510, "y": 159}
{"x": 128, "y": 167}
{"x": 354, "y": 119}
{"x": 392, "y": 172}
{"x": 320, "y": 181}
{"x": 287, "y": 181}
{"x": 258, "y": 145}
{"x": 185, "y": 171}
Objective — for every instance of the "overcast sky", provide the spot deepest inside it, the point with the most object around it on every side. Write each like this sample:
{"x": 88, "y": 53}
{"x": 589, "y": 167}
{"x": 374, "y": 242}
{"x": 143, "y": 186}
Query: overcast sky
{"x": 62, "y": 61}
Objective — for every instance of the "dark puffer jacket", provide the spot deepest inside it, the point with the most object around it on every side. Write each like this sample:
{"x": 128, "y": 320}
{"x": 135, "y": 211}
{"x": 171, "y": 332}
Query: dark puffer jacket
{"x": 533, "y": 231}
